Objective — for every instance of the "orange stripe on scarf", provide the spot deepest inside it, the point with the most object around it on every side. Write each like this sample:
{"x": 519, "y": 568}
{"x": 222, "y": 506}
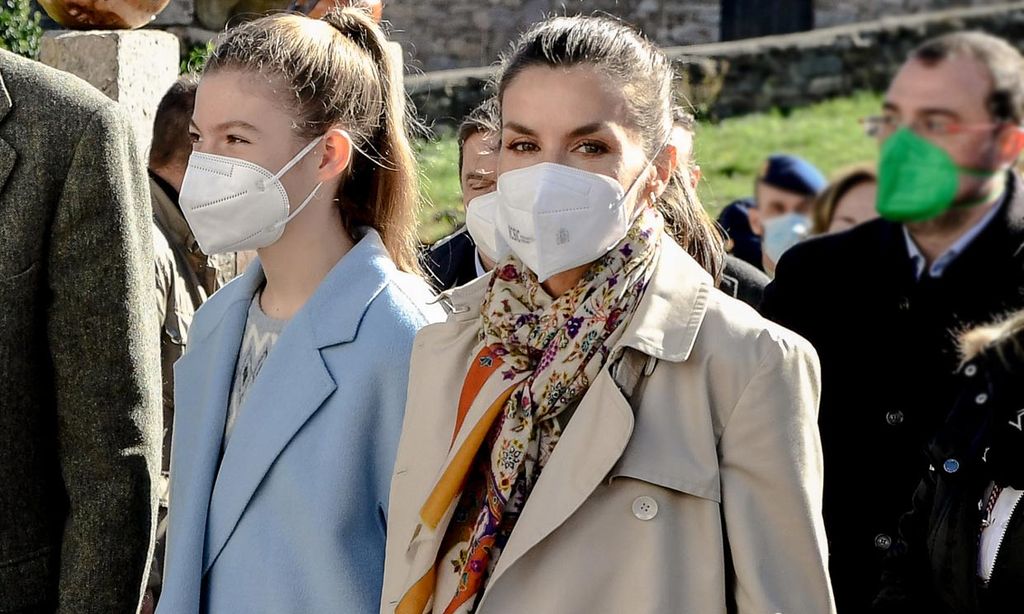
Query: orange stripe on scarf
{"x": 416, "y": 598}
{"x": 450, "y": 484}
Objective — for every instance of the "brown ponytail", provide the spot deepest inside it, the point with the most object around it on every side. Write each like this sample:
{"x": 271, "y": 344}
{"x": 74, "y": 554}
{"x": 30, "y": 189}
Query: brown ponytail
{"x": 341, "y": 74}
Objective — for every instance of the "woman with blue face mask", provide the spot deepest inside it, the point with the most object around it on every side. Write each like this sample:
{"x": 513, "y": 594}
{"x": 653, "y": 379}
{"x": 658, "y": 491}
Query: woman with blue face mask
{"x": 596, "y": 428}
{"x": 290, "y": 395}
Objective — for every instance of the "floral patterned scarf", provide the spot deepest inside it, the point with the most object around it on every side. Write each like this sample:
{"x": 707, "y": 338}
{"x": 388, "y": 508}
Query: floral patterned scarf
{"x": 549, "y": 350}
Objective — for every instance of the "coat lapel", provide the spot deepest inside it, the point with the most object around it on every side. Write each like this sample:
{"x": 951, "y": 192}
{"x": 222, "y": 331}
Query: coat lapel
{"x": 665, "y": 326}
{"x": 588, "y": 449}
{"x": 7, "y": 153}
{"x": 201, "y": 397}
{"x": 292, "y": 385}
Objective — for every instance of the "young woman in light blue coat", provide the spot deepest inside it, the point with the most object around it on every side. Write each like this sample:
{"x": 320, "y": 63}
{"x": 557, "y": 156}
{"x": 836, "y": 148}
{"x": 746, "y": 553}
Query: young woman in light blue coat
{"x": 289, "y": 399}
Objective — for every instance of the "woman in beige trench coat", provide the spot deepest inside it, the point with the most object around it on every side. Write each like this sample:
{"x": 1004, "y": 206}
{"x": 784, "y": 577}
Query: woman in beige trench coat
{"x": 596, "y": 428}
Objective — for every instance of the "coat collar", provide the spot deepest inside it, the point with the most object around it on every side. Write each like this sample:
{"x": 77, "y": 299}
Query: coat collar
{"x": 7, "y": 153}
{"x": 168, "y": 214}
{"x": 667, "y": 320}
{"x": 358, "y": 277}
{"x": 293, "y": 384}
{"x": 664, "y": 326}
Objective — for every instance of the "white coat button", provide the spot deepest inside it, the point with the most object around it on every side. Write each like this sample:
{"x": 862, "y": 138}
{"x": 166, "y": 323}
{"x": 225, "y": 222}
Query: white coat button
{"x": 970, "y": 370}
{"x": 894, "y": 417}
{"x": 645, "y": 508}
{"x": 981, "y": 399}
{"x": 883, "y": 541}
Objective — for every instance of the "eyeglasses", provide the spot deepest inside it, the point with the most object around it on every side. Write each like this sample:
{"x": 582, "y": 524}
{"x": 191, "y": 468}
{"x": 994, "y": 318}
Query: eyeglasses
{"x": 881, "y": 126}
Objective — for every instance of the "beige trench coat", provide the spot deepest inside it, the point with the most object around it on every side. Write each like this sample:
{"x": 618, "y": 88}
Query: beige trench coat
{"x": 704, "y": 499}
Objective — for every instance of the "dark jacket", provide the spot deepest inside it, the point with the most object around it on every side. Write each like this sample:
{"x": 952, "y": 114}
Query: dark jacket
{"x": 743, "y": 243}
{"x": 743, "y": 281}
{"x": 451, "y": 262}
{"x": 887, "y": 345}
{"x": 79, "y": 360}
{"x": 933, "y": 567}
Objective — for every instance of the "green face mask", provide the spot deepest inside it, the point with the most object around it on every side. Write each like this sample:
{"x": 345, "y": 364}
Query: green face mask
{"x": 917, "y": 180}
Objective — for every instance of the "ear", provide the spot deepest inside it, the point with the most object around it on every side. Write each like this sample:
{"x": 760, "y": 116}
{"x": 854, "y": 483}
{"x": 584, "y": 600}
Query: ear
{"x": 664, "y": 166}
{"x": 695, "y": 175}
{"x": 337, "y": 156}
{"x": 1012, "y": 144}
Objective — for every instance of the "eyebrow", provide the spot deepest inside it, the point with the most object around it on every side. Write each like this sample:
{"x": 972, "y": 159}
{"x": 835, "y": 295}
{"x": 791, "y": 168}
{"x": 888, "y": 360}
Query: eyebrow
{"x": 578, "y": 132}
{"x": 237, "y": 123}
{"x": 479, "y": 175}
{"x": 889, "y": 106}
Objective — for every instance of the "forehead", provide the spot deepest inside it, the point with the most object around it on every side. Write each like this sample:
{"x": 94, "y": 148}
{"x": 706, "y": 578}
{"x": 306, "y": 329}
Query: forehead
{"x": 958, "y": 84}
{"x": 563, "y": 98}
{"x": 767, "y": 193}
{"x": 226, "y": 95}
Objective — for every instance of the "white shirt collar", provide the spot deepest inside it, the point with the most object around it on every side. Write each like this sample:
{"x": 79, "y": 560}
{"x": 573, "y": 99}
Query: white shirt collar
{"x": 480, "y": 270}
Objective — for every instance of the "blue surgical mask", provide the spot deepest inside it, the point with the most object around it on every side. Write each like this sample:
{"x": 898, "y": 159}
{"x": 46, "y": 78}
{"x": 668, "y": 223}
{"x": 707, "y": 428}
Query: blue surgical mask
{"x": 783, "y": 232}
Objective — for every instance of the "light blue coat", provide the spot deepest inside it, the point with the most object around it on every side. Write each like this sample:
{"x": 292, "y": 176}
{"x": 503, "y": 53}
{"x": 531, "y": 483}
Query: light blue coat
{"x": 293, "y": 518}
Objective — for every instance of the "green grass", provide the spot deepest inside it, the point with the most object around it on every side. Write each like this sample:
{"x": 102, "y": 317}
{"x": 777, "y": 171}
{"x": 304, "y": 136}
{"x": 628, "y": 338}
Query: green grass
{"x": 730, "y": 154}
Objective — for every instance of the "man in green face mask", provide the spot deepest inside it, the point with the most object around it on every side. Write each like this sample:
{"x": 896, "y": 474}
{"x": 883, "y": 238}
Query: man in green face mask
{"x": 882, "y": 302}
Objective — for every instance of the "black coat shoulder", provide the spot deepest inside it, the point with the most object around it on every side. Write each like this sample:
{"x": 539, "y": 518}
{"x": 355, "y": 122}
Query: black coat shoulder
{"x": 743, "y": 281}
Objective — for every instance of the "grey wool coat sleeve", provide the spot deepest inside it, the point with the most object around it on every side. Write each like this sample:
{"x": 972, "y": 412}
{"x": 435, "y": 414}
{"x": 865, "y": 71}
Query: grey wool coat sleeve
{"x": 79, "y": 354}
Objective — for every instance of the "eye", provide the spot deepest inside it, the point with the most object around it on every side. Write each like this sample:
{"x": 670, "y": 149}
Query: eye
{"x": 935, "y": 126}
{"x": 235, "y": 139}
{"x": 522, "y": 146}
{"x": 592, "y": 148}
{"x": 193, "y": 137}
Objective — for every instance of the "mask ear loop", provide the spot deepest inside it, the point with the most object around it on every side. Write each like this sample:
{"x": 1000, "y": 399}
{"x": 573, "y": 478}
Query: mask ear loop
{"x": 287, "y": 167}
{"x": 638, "y": 210}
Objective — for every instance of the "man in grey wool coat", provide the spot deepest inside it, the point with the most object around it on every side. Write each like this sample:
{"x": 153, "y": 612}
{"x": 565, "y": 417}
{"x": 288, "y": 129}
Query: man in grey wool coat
{"x": 79, "y": 357}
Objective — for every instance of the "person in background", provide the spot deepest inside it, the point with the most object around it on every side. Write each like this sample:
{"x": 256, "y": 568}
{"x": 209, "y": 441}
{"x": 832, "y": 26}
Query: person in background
{"x": 847, "y": 202}
{"x": 289, "y": 400}
{"x": 881, "y": 302}
{"x": 455, "y": 260}
{"x": 736, "y": 278}
{"x": 79, "y": 357}
{"x": 777, "y": 218}
{"x": 961, "y": 547}
{"x": 596, "y": 428}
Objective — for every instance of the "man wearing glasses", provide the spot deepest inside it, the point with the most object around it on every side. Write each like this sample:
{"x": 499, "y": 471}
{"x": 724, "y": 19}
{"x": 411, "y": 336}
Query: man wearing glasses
{"x": 882, "y": 303}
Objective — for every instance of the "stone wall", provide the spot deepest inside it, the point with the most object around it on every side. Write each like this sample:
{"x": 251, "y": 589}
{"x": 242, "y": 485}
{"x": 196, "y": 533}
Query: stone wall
{"x": 447, "y": 34}
{"x": 723, "y": 79}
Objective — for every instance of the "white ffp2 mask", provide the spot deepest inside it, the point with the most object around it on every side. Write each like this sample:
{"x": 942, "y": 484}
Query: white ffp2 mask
{"x": 232, "y": 204}
{"x": 556, "y": 217}
{"x": 481, "y": 222}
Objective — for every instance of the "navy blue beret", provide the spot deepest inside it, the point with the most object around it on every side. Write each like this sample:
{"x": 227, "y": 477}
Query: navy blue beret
{"x": 793, "y": 174}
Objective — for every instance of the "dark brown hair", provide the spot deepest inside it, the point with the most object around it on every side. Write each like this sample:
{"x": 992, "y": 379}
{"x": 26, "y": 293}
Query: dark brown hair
{"x": 645, "y": 77}
{"x": 340, "y": 73}
{"x": 1003, "y": 62}
{"x": 172, "y": 144}
{"x": 481, "y": 120}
